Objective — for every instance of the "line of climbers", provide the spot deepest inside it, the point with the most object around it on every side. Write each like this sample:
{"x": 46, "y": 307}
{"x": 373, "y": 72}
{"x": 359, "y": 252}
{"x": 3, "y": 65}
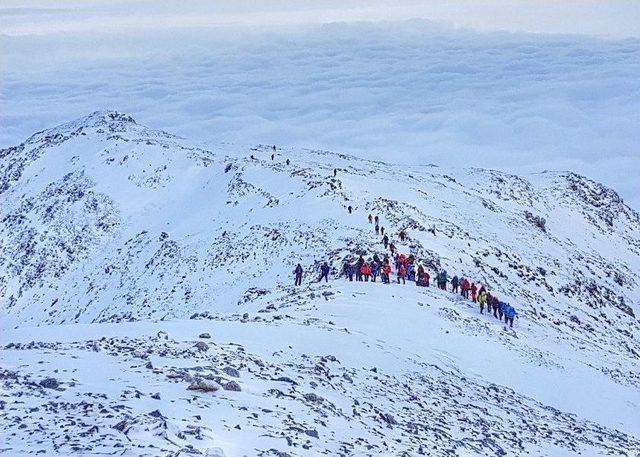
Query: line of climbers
{"x": 405, "y": 269}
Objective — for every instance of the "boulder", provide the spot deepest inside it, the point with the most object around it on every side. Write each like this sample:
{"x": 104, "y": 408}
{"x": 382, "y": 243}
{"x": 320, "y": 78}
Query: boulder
{"x": 202, "y": 385}
{"x": 232, "y": 386}
{"x": 49, "y": 383}
{"x": 201, "y": 346}
{"x": 231, "y": 372}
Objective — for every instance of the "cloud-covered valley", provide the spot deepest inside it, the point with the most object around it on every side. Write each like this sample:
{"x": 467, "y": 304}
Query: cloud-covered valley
{"x": 409, "y": 92}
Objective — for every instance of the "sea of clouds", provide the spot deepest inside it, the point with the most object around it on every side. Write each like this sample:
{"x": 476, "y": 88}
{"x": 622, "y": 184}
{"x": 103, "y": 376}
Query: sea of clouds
{"x": 403, "y": 91}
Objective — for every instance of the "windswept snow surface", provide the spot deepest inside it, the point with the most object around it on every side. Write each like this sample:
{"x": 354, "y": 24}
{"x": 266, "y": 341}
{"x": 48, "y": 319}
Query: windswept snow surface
{"x": 121, "y": 248}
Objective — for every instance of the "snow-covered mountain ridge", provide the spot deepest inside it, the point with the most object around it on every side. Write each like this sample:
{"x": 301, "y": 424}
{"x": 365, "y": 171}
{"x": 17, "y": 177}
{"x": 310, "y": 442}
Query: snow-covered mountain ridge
{"x": 104, "y": 221}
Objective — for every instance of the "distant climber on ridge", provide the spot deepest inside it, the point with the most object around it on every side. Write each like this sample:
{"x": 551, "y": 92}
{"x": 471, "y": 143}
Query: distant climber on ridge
{"x": 298, "y": 273}
{"x": 386, "y": 270}
{"x": 324, "y": 270}
{"x": 482, "y": 299}
{"x": 454, "y": 284}
{"x": 366, "y": 271}
{"x": 375, "y": 269}
{"x": 402, "y": 273}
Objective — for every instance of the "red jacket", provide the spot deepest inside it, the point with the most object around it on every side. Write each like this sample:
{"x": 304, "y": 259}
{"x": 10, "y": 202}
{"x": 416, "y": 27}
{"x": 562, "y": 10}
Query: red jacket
{"x": 386, "y": 268}
{"x": 365, "y": 269}
{"x": 402, "y": 271}
{"x": 465, "y": 284}
{"x": 474, "y": 289}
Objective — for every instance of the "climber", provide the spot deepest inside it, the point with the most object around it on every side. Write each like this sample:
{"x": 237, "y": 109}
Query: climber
{"x": 376, "y": 259}
{"x": 495, "y": 304}
{"x": 335, "y": 172}
{"x": 375, "y": 269}
{"x": 402, "y": 235}
{"x": 370, "y": 218}
{"x": 324, "y": 270}
{"x": 482, "y": 290}
{"x": 505, "y": 309}
{"x": 273, "y": 156}
{"x": 288, "y": 162}
{"x": 385, "y": 241}
{"x": 351, "y": 272}
{"x": 474, "y": 292}
{"x": 402, "y": 259}
{"x": 392, "y": 248}
{"x": 482, "y": 299}
{"x": 366, "y": 271}
{"x": 274, "y": 147}
{"x": 345, "y": 269}
{"x": 386, "y": 269}
{"x": 454, "y": 284}
{"x": 422, "y": 281}
{"x": 377, "y": 229}
{"x": 376, "y": 219}
{"x": 402, "y": 273}
{"x": 443, "y": 279}
{"x": 350, "y": 209}
{"x": 511, "y": 314}
{"x": 381, "y": 230}
{"x": 359, "y": 264}
{"x": 298, "y": 272}
{"x": 501, "y": 308}
{"x": 411, "y": 272}
{"x": 465, "y": 288}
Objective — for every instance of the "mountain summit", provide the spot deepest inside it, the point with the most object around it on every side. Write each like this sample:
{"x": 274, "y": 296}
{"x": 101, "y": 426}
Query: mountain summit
{"x": 121, "y": 246}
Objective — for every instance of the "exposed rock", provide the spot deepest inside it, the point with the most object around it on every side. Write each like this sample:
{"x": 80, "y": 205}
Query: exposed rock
{"x": 312, "y": 433}
{"x": 203, "y": 385}
{"x": 49, "y": 383}
{"x": 201, "y": 346}
{"x": 388, "y": 418}
{"x": 232, "y": 386}
{"x": 313, "y": 398}
{"x": 231, "y": 372}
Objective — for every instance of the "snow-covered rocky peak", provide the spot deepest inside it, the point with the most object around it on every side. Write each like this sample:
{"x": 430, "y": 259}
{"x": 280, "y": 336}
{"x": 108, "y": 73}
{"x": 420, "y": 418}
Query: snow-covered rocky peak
{"x": 107, "y": 222}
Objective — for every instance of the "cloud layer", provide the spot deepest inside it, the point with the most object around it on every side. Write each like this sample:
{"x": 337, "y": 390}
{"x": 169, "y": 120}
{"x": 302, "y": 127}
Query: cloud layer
{"x": 405, "y": 92}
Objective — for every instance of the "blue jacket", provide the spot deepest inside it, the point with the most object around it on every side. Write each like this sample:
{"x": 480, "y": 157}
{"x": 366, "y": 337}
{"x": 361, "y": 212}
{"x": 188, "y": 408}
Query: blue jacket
{"x": 375, "y": 269}
{"x": 325, "y": 269}
{"x": 298, "y": 270}
{"x": 352, "y": 269}
{"x": 511, "y": 312}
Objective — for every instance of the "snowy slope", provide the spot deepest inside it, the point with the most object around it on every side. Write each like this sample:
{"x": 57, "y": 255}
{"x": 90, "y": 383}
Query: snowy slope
{"x": 111, "y": 232}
